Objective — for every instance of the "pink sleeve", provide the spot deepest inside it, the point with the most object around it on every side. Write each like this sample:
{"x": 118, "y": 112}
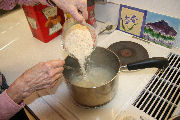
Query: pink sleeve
{"x": 8, "y": 107}
{"x": 10, "y": 4}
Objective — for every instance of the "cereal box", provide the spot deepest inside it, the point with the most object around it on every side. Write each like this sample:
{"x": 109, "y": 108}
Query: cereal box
{"x": 45, "y": 22}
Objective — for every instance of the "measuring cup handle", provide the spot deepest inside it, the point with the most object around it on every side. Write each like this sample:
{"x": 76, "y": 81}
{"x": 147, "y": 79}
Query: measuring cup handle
{"x": 158, "y": 62}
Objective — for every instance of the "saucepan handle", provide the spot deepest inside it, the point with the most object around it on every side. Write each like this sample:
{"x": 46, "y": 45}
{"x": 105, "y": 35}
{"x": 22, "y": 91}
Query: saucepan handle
{"x": 157, "y": 62}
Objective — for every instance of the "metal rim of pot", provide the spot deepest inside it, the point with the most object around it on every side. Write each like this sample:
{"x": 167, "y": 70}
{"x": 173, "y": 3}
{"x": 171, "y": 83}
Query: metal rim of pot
{"x": 104, "y": 83}
{"x": 83, "y": 99}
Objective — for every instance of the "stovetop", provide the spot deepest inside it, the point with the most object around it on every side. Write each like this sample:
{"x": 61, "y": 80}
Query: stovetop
{"x": 131, "y": 85}
{"x": 16, "y": 57}
{"x": 161, "y": 96}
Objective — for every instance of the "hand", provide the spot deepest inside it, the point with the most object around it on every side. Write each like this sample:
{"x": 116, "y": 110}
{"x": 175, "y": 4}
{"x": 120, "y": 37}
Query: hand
{"x": 41, "y": 76}
{"x": 72, "y": 7}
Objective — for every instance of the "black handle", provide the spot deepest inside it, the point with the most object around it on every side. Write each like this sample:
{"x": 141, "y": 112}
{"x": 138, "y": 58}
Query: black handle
{"x": 158, "y": 62}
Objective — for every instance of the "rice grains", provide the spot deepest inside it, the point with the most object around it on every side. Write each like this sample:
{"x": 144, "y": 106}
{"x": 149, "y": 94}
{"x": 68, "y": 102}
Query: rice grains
{"x": 79, "y": 42}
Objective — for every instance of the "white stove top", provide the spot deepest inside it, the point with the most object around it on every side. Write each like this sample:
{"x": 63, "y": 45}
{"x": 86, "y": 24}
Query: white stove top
{"x": 16, "y": 57}
{"x": 130, "y": 86}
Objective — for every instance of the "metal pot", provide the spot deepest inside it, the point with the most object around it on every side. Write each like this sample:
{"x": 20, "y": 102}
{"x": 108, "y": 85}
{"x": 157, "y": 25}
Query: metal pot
{"x": 97, "y": 96}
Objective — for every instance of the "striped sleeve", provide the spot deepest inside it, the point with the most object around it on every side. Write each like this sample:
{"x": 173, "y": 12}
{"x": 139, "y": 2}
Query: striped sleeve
{"x": 10, "y": 4}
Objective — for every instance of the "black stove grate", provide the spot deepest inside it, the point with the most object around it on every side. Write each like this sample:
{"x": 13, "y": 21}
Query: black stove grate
{"x": 161, "y": 95}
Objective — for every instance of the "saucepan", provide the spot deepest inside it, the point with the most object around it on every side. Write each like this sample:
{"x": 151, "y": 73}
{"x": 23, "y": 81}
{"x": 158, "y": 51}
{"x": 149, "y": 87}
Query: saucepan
{"x": 93, "y": 96}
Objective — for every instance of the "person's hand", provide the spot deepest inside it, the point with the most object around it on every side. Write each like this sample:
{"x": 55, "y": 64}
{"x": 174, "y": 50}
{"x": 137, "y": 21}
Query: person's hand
{"x": 77, "y": 8}
{"x": 41, "y": 76}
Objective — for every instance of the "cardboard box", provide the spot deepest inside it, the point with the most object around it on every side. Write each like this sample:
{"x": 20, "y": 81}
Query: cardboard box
{"x": 45, "y": 22}
{"x": 91, "y": 14}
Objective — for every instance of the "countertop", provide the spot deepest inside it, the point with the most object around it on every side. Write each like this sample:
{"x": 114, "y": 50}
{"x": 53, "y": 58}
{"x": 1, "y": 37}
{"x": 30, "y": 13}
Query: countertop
{"x": 19, "y": 51}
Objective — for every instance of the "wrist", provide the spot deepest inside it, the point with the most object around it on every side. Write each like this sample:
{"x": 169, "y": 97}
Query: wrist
{"x": 15, "y": 93}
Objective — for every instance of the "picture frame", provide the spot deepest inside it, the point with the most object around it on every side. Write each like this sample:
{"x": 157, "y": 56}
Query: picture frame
{"x": 131, "y": 20}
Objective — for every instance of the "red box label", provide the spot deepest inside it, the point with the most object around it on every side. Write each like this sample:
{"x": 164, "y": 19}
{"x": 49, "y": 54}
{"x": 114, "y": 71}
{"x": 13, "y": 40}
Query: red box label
{"x": 45, "y": 22}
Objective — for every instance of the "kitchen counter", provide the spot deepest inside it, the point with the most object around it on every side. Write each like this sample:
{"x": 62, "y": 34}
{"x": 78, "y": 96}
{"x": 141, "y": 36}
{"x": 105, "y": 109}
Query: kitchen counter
{"x": 19, "y": 50}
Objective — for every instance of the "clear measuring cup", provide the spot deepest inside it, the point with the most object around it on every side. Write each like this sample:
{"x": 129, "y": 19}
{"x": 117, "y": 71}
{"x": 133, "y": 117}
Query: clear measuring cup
{"x": 69, "y": 26}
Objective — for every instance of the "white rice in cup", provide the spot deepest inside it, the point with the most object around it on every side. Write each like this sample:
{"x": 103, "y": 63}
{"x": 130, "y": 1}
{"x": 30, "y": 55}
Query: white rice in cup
{"x": 79, "y": 41}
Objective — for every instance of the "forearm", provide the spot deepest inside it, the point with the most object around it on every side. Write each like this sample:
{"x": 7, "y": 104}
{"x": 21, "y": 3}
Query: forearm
{"x": 10, "y": 4}
{"x": 11, "y": 100}
{"x": 15, "y": 92}
{"x": 8, "y": 107}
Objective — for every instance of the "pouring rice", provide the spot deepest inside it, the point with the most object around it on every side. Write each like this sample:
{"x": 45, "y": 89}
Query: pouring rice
{"x": 78, "y": 41}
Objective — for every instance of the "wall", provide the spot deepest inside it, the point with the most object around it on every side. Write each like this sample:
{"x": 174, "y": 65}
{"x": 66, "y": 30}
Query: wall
{"x": 110, "y": 12}
{"x": 166, "y": 7}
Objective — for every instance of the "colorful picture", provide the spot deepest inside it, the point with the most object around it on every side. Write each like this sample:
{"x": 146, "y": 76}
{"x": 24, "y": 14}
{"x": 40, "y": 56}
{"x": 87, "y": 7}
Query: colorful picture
{"x": 161, "y": 29}
{"x": 131, "y": 20}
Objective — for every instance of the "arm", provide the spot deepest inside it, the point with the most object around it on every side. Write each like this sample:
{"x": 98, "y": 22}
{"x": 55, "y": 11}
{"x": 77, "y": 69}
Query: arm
{"x": 10, "y": 4}
{"x": 41, "y": 76}
{"x": 8, "y": 106}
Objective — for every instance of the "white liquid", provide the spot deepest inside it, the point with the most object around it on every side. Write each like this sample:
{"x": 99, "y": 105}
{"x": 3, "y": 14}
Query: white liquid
{"x": 94, "y": 77}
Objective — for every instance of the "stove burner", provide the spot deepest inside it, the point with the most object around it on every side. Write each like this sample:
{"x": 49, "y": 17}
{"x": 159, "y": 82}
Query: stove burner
{"x": 128, "y": 51}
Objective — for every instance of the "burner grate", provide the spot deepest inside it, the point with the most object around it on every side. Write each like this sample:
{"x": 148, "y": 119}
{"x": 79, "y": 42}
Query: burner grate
{"x": 161, "y": 95}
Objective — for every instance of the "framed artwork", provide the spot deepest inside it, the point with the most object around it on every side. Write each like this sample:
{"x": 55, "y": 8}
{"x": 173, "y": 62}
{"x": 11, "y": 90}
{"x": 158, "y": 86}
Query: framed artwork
{"x": 132, "y": 20}
{"x": 161, "y": 29}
